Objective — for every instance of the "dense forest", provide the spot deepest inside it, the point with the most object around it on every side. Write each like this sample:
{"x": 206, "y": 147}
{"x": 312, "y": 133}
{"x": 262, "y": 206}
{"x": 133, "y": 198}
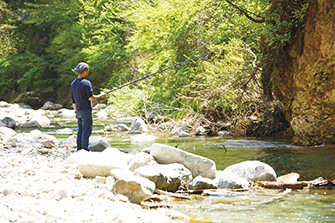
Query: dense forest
{"x": 122, "y": 40}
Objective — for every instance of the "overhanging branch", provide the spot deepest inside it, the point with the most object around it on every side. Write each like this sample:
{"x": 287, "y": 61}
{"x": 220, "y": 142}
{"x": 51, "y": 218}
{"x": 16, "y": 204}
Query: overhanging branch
{"x": 248, "y": 14}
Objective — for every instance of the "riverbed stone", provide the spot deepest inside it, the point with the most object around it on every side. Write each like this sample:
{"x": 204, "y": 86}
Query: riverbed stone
{"x": 8, "y": 122}
{"x": 47, "y": 141}
{"x": 288, "y": 178}
{"x": 98, "y": 143}
{"x": 6, "y": 133}
{"x": 136, "y": 188}
{"x": 198, "y": 165}
{"x": 230, "y": 180}
{"x": 253, "y": 171}
{"x": 117, "y": 128}
{"x": 166, "y": 177}
{"x": 4, "y": 104}
{"x": 92, "y": 164}
{"x": 201, "y": 183}
{"x": 51, "y": 106}
{"x": 66, "y": 113}
{"x": 38, "y": 188}
{"x": 71, "y": 141}
{"x": 138, "y": 126}
{"x": 33, "y": 140}
{"x": 141, "y": 159}
{"x": 30, "y": 125}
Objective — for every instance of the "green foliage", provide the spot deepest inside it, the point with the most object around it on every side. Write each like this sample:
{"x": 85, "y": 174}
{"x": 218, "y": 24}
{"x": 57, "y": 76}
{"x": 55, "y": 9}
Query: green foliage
{"x": 7, "y": 42}
{"x": 43, "y": 40}
{"x": 284, "y": 21}
{"x": 128, "y": 100}
{"x": 165, "y": 33}
{"x": 103, "y": 37}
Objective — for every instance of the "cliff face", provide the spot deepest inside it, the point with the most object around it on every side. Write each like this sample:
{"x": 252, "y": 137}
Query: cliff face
{"x": 305, "y": 84}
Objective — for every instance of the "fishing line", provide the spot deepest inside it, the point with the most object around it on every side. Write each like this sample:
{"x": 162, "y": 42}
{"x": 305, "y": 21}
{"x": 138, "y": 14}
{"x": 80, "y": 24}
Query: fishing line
{"x": 177, "y": 64}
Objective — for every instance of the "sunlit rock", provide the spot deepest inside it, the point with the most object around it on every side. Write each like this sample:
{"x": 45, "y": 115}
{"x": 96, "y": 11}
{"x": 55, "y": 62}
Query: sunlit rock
{"x": 4, "y": 104}
{"x": 6, "y": 133}
{"x": 138, "y": 126}
{"x": 288, "y": 178}
{"x": 253, "y": 171}
{"x": 92, "y": 164}
{"x": 135, "y": 188}
{"x": 166, "y": 177}
{"x": 229, "y": 180}
{"x": 141, "y": 159}
{"x": 66, "y": 113}
{"x": 117, "y": 128}
{"x": 201, "y": 183}
{"x": 98, "y": 143}
{"x": 198, "y": 165}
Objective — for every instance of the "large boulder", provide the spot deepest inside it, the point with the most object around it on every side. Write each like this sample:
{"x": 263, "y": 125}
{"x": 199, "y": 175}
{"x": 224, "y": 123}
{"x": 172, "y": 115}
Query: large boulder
{"x": 136, "y": 188}
{"x": 166, "y": 177}
{"x": 253, "y": 171}
{"x": 198, "y": 165}
{"x": 229, "y": 180}
{"x": 92, "y": 164}
{"x": 98, "y": 143}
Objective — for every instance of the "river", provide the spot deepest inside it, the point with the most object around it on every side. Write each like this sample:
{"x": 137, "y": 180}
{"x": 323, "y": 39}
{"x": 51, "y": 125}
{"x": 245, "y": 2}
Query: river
{"x": 254, "y": 205}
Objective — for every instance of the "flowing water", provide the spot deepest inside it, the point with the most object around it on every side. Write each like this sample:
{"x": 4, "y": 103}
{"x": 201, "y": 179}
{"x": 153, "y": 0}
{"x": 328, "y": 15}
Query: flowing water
{"x": 254, "y": 205}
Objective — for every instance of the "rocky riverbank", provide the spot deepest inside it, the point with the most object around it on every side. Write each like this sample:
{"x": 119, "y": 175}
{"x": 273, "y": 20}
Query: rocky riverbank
{"x": 43, "y": 179}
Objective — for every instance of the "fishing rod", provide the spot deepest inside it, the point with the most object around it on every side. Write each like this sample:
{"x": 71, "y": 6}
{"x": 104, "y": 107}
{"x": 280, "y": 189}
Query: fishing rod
{"x": 177, "y": 64}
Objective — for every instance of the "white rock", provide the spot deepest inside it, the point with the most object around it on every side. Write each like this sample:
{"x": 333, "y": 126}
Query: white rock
{"x": 198, "y": 165}
{"x": 6, "y": 133}
{"x": 42, "y": 120}
{"x": 141, "y": 159}
{"x": 64, "y": 131}
{"x": 227, "y": 179}
{"x": 253, "y": 171}
{"x": 94, "y": 164}
{"x": 137, "y": 189}
{"x": 66, "y": 113}
{"x": 4, "y": 104}
{"x": 72, "y": 141}
{"x": 117, "y": 128}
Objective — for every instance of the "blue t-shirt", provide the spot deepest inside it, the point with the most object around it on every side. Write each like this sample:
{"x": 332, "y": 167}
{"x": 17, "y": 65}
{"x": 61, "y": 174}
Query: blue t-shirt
{"x": 81, "y": 90}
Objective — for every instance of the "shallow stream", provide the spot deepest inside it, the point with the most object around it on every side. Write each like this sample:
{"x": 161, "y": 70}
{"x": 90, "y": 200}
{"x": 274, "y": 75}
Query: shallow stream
{"x": 249, "y": 206}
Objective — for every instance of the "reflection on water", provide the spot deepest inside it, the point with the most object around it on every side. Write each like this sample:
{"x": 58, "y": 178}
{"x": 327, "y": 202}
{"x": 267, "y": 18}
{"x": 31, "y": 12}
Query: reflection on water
{"x": 251, "y": 206}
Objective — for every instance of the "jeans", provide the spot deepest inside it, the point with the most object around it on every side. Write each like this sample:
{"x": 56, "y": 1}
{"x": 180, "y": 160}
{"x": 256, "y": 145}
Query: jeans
{"x": 85, "y": 122}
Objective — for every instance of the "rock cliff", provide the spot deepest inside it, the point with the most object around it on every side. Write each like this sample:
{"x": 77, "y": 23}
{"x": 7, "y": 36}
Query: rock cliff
{"x": 305, "y": 83}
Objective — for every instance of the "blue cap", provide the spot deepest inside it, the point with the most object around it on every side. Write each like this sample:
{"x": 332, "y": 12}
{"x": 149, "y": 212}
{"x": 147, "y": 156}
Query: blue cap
{"x": 81, "y": 67}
